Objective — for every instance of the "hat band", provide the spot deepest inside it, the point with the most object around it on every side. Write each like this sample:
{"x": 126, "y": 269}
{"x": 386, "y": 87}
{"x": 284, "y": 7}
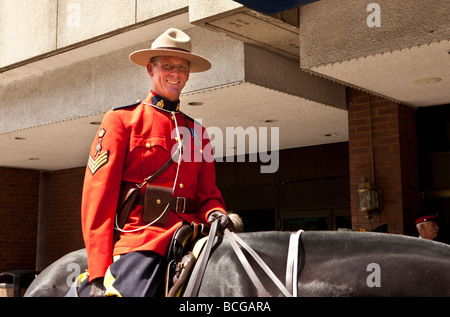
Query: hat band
{"x": 425, "y": 218}
{"x": 171, "y": 48}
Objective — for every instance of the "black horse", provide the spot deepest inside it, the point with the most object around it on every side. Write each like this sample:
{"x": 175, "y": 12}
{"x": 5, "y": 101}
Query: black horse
{"x": 330, "y": 264}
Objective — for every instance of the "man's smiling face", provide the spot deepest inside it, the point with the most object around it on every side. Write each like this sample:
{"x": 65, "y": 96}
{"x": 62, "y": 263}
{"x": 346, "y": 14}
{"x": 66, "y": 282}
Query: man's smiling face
{"x": 169, "y": 76}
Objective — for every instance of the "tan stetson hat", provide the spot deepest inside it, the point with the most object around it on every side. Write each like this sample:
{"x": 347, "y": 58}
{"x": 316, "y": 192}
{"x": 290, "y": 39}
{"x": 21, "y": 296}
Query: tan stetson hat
{"x": 172, "y": 42}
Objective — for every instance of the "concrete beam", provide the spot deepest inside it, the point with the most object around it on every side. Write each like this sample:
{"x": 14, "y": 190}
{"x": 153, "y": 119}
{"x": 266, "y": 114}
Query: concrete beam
{"x": 27, "y": 29}
{"x": 278, "y": 33}
{"x": 94, "y": 47}
{"x": 55, "y": 27}
{"x": 82, "y": 20}
{"x": 200, "y": 11}
{"x": 150, "y": 9}
{"x": 102, "y": 82}
{"x": 334, "y": 31}
{"x": 279, "y": 73}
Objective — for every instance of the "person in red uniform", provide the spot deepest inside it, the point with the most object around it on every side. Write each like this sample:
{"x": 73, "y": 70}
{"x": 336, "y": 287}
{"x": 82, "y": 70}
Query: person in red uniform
{"x": 427, "y": 227}
{"x": 132, "y": 143}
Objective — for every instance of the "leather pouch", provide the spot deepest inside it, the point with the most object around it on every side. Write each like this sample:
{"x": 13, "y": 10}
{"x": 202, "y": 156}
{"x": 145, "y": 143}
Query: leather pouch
{"x": 127, "y": 199}
{"x": 156, "y": 203}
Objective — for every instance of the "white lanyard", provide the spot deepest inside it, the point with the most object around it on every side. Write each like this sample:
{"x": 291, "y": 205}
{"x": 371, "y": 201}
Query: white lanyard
{"x": 179, "y": 151}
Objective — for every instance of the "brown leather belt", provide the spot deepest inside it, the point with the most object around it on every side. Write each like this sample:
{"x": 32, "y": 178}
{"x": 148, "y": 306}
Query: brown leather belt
{"x": 178, "y": 204}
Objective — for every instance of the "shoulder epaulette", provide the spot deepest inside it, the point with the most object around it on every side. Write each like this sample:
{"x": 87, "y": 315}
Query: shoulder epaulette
{"x": 126, "y": 106}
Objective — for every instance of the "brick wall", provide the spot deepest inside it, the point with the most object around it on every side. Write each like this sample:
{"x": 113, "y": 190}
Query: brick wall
{"x": 60, "y": 223}
{"x": 19, "y": 195}
{"x": 29, "y": 241}
{"x": 394, "y": 145}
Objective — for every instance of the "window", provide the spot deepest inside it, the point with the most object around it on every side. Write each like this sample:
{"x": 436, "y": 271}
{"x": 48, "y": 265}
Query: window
{"x": 258, "y": 220}
{"x": 319, "y": 219}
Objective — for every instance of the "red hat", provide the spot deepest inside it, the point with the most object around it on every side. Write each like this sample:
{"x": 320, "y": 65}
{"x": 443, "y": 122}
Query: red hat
{"x": 426, "y": 218}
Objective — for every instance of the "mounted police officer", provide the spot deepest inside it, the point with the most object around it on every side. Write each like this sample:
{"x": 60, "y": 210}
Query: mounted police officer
{"x": 132, "y": 144}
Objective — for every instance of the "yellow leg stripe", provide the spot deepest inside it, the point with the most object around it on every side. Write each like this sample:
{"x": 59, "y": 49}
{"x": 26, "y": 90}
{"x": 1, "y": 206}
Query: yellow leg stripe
{"x": 109, "y": 280}
{"x": 108, "y": 283}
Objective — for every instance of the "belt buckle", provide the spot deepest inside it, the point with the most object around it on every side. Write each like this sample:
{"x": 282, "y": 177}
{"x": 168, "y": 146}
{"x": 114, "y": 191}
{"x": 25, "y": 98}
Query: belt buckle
{"x": 178, "y": 209}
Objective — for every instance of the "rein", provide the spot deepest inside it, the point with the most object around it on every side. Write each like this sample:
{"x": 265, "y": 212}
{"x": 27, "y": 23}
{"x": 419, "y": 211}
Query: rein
{"x": 199, "y": 268}
{"x": 234, "y": 240}
{"x": 236, "y": 243}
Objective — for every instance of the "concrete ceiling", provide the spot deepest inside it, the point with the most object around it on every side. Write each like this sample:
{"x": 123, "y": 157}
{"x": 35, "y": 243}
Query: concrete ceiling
{"x": 53, "y": 146}
{"x": 418, "y": 76}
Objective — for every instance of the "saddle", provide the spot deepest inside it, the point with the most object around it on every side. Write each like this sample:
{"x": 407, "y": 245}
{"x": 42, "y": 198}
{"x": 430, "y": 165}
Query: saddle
{"x": 184, "y": 248}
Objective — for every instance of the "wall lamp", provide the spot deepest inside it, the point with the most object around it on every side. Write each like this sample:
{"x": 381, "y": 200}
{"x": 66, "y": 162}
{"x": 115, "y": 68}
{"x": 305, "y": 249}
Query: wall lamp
{"x": 369, "y": 197}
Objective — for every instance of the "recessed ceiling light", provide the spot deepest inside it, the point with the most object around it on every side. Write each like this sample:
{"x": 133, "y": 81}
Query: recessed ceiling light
{"x": 195, "y": 103}
{"x": 427, "y": 80}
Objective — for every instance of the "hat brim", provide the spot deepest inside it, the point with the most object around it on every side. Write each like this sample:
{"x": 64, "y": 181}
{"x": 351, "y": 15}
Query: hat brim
{"x": 198, "y": 63}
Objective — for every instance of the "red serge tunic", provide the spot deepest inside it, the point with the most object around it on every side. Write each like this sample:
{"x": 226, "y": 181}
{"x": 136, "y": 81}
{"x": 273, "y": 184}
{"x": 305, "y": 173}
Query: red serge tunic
{"x": 132, "y": 143}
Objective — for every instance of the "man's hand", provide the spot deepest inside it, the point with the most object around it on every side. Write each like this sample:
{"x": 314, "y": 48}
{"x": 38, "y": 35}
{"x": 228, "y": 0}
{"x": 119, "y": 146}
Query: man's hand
{"x": 224, "y": 221}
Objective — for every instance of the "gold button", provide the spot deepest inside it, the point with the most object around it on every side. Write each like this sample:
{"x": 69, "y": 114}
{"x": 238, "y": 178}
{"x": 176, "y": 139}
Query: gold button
{"x": 158, "y": 201}
{"x": 147, "y": 145}
{"x": 181, "y": 185}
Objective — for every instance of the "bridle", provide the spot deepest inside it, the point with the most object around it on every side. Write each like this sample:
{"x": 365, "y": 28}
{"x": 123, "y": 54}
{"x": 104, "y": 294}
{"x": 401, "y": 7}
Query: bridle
{"x": 236, "y": 243}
